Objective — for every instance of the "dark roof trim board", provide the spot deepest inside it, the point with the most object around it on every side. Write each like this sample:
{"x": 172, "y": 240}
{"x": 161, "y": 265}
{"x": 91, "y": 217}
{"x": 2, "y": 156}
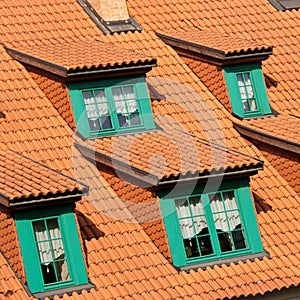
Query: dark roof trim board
{"x": 145, "y": 177}
{"x": 35, "y": 63}
{"x": 42, "y": 201}
{"x": 13, "y": 198}
{"x": 212, "y": 55}
{"x": 285, "y": 4}
{"x": 116, "y": 164}
{"x": 268, "y": 139}
{"x": 228, "y": 174}
{"x": 111, "y": 26}
{"x": 60, "y": 292}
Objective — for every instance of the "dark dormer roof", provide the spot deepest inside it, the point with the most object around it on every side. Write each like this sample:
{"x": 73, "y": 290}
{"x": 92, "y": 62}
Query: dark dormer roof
{"x": 214, "y": 47}
{"x": 27, "y": 183}
{"x": 163, "y": 157}
{"x": 82, "y": 58}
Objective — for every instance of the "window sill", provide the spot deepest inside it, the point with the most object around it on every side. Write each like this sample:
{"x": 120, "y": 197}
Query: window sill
{"x": 225, "y": 261}
{"x": 62, "y": 291}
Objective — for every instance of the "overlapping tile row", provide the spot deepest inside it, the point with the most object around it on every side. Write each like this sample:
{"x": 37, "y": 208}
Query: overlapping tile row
{"x": 9, "y": 244}
{"x": 277, "y": 126}
{"x": 171, "y": 155}
{"x": 57, "y": 93}
{"x": 122, "y": 260}
{"x": 29, "y": 119}
{"x": 81, "y": 54}
{"x": 10, "y": 287}
{"x": 212, "y": 76}
{"x": 245, "y": 20}
{"x": 213, "y": 40}
{"x": 286, "y": 163}
{"x": 21, "y": 177}
{"x": 43, "y": 22}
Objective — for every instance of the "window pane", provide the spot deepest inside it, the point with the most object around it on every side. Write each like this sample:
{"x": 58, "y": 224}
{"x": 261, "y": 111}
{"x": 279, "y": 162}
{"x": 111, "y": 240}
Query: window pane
{"x": 96, "y": 107}
{"x": 51, "y": 250}
{"x": 246, "y": 91}
{"x": 126, "y": 106}
{"x": 182, "y": 208}
{"x": 193, "y": 226}
{"x": 227, "y": 221}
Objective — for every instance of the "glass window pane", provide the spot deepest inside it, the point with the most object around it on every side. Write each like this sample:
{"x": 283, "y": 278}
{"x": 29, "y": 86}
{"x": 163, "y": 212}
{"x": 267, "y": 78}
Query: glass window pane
{"x": 247, "y": 79}
{"x": 229, "y": 200}
{"x": 246, "y": 106}
{"x": 240, "y": 79}
{"x": 182, "y": 207}
{"x": 88, "y": 97}
{"x": 51, "y": 250}
{"x": 216, "y": 202}
{"x": 117, "y": 93}
{"x": 129, "y": 92}
{"x": 100, "y": 96}
{"x": 243, "y": 93}
{"x": 253, "y": 106}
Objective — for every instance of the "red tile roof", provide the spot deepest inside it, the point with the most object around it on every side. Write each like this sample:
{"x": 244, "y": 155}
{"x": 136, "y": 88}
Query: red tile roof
{"x": 212, "y": 43}
{"x": 122, "y": 259}
{"x": 170, "y": 155}
{"x": 23, "y": 180}
{"x": 78, "y": 56}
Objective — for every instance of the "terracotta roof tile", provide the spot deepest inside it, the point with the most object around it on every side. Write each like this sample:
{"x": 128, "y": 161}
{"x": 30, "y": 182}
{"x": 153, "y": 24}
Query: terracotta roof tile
{"x": 163, "y": 154}
{"x": 75, "y": 56}
{"x": 33, "y": 127}
{"x": 224, "y": 44}
{"x": 22, "y": 178}
{"x": 276, "y": 126}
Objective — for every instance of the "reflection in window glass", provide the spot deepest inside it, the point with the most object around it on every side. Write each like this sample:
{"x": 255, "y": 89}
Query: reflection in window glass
{"x": 126, "y": 106}
{"x": 227, "y": 221}
{"x": 97, "y": 109}
{"x": 246, "y": 92}
{"x": 51, "y": 251}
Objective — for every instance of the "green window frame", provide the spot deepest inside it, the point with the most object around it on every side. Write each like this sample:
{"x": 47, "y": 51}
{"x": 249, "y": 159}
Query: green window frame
{"x": 211, "y": 226}
{"x": 247, "y": 91}
{"x": 111, "y": 106}
{"x": 51, "y": 250}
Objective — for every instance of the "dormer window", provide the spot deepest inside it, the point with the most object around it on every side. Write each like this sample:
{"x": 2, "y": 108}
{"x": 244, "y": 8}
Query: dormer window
{"x": 51, "y": 251}
{"x": 246, "y": 90}
{"x": 109, "y": 107}
{"x": 205, "y": 227}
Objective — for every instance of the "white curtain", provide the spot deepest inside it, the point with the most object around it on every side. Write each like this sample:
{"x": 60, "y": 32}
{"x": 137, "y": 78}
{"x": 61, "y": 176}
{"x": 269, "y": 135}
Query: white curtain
{"x": 47, "y": 240}
{"x": 50, "y": 246}
{"x": 125, "y": 100}
{"x": 225, "y": 211}
{"x": 246, "y": 91}
{"x": 101, "y": 101}
{"x": 192, "y": 214}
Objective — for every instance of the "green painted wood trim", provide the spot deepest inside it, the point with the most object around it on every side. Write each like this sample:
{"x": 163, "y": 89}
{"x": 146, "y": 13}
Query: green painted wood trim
{"x": 142, "y": 98}
{"x": 73, "y": 251}
{"x": 247, "y": 215}
{"x": 260, "y": 93}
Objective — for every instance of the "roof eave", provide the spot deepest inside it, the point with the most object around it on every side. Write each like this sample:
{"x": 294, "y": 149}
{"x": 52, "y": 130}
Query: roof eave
{"x": 215, "y": 56}
{"x": 85, "y": 73}
{"x": 214, "y": 176}
{"x": 37, "y": 63}
{"x": 267, "y": 138}
{"x": 129, "y": 171}
{"x": 116, "y": 71}
{"x": 28, "y": 203}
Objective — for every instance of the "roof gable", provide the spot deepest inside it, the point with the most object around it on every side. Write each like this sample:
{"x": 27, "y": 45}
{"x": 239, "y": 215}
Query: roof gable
{"x": 77, "y": 58}
{"x": 25, "y": 182}
{"x": 213, "y": 46}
